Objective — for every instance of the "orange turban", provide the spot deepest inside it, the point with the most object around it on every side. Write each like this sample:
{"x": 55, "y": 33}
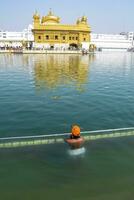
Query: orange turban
{"x": 76, "y": 130}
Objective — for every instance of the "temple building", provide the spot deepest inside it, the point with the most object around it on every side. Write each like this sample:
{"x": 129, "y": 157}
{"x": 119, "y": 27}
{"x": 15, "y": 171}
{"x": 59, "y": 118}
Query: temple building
{"x": 50, "y": 33}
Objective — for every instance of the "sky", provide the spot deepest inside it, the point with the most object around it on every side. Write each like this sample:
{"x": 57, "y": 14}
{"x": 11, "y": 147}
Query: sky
{"x": 104, "y": 16}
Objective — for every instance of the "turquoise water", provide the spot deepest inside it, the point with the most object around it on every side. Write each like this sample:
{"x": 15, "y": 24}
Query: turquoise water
{"x": 45, "y": 94}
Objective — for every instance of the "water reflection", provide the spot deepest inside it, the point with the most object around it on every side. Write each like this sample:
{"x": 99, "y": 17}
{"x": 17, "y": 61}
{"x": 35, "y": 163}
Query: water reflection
{"x": 52, "y": 71}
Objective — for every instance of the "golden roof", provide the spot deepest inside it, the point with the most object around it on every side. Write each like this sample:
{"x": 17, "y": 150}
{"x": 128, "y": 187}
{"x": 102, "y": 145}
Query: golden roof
{"x": 50, "y": 18}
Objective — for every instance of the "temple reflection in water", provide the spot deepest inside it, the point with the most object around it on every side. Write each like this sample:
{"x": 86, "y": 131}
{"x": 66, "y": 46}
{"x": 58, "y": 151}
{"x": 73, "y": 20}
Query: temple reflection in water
{"x": 52, "y": 71}
{"x": 57, "y": 70}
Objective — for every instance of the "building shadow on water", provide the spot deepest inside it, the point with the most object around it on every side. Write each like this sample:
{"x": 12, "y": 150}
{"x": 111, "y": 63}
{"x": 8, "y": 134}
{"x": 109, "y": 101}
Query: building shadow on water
{"x": 53, "y": 71}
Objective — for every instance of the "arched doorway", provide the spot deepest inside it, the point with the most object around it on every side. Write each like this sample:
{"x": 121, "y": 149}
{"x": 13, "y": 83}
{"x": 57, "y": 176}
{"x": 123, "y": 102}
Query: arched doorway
{"x": 52, "y": 47}
{"x": 73, "y": 46}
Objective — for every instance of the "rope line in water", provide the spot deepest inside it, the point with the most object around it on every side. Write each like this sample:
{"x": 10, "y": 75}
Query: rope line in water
{"x": 65, "y": 134}
{"x": 22, "y": 141}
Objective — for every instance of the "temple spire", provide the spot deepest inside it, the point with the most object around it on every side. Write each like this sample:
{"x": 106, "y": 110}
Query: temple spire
{"x": 50, "y": 12}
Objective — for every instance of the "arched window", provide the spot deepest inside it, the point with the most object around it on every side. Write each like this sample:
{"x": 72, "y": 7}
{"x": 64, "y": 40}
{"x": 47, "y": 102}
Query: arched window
{"x": 47, "y": 37}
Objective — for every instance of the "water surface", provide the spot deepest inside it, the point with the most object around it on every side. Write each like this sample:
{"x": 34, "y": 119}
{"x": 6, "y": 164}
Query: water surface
{"x": 45, "y": 94}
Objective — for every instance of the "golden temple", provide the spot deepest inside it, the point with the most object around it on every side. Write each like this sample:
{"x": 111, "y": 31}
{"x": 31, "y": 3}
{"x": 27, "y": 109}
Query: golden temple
{"x": 49, "y": 32}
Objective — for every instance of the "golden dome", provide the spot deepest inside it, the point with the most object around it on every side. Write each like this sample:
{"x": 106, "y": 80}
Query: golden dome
{"x": 36, "y": 15}
{"x": 78, "y": 21}
{"x": 50, "y": 18}
{"x": 84, "y": 19}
